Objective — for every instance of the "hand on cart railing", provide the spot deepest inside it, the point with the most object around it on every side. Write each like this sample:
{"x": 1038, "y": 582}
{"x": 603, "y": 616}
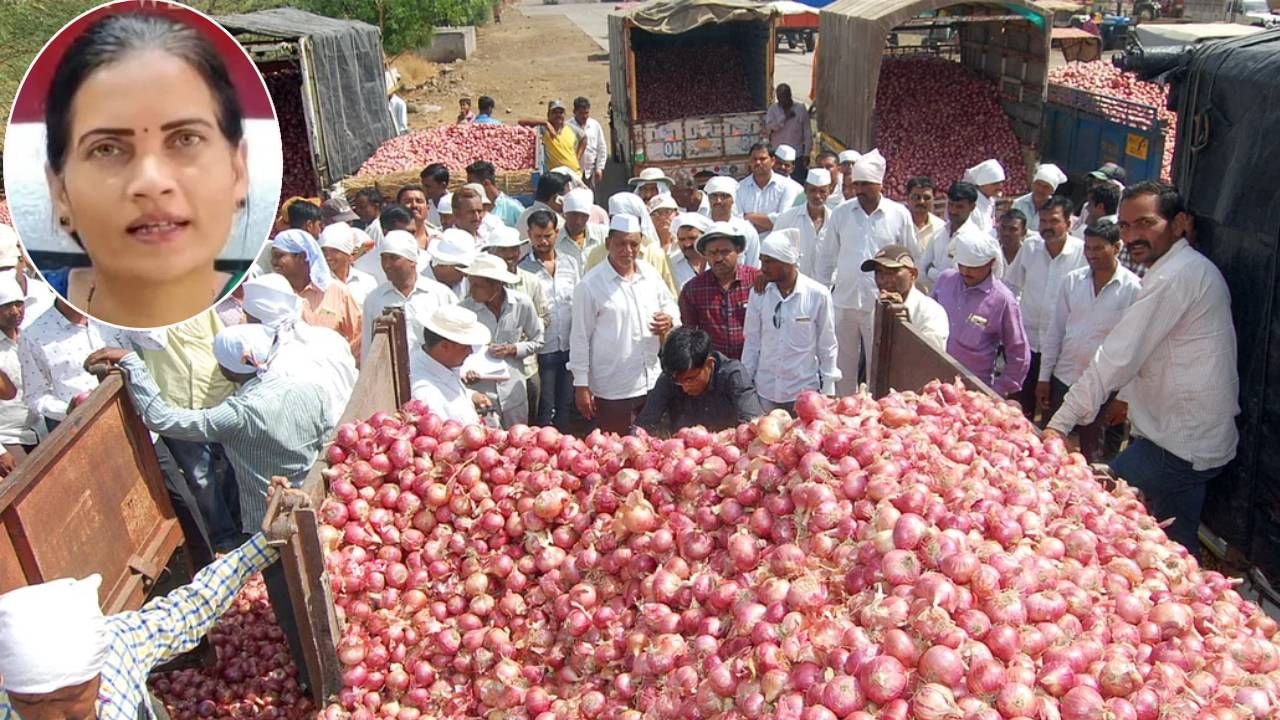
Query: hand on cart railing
{"x": 282, "y": 499}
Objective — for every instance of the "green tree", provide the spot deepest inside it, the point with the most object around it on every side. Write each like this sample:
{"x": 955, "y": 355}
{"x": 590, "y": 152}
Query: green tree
{"x": 405, "y": 24}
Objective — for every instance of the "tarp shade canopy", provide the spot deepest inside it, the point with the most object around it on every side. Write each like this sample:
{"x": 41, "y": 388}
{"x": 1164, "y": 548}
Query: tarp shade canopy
{"x": 1189, "y": 34}
{"x": 1229, "y": 172}
{"x": 672, "y": 17}
{"x": 347, "y": 65}
{"x": 1011, "y": 53}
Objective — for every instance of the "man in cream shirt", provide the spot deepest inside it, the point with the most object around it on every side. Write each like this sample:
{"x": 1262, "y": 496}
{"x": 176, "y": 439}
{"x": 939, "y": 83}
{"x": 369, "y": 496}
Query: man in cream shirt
{"x": 1172, "y": 357}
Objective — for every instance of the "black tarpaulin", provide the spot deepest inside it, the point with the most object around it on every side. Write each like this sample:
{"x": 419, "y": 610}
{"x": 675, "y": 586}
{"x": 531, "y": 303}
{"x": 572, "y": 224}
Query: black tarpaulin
{"x": 1228, "y": 167}
{"x": 349, "y": 74}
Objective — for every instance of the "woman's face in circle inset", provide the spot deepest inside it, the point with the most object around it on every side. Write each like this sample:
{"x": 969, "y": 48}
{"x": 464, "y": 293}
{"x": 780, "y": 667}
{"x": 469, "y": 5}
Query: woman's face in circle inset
{"x": 150, "y": 184}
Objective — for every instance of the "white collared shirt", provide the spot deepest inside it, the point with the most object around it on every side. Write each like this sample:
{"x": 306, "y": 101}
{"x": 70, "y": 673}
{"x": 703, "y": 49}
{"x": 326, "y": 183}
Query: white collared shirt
{"x": 796, "y": 353}
{"x": 1172, "y": 356}
{"x": 441, "y": 389}
{"x": 321, "y": 357}
{"x": 855, "y": 237}
{"x": 1040, "y": 277}
{"x": 17, "y": 422}
{"x": 558, "y": 291}
{"x": 933, "y": 227}
{"x": 681, "y": 270}
{"x": 810, "y": 237}
{"x": 929, "y": 317}
{"x": 423, "y": 299}
{"x": 1082, "y": 319}
{"x": 595, "y": 235}
{"x": 360, "y": 284}
{"x": 517, "y": 323}
{"x": 775, "y": 197}
{"x": 1026, "y": 205}
{"x": 596, "y": 153}
{"x": 611, "y": 349}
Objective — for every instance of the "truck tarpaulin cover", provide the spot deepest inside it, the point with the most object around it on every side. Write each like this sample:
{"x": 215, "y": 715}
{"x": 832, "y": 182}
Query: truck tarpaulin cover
{"x": 672, "y": 17}
{"x": 1228, "y": 168}
{"x": 350, "y": 82}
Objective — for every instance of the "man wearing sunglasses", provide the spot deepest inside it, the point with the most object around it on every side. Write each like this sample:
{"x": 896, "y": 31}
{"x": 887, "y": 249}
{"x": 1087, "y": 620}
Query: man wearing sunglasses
{"x": 790, "y": 339}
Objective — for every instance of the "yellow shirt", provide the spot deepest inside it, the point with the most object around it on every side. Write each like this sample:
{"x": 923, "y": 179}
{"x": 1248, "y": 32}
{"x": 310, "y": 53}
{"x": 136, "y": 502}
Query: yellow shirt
{"x": 650, "y": 252}
{"x": 186, "y": 370}
{"x": 562, "y": 149}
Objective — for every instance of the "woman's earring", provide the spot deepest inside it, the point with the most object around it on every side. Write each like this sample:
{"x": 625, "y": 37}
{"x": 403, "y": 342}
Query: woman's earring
{"x": 64, "y": 221}
{"x": 241, "y": 203}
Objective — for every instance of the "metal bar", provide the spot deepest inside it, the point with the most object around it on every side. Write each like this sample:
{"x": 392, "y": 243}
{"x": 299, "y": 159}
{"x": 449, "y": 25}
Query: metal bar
{"x": 951, "y": 20}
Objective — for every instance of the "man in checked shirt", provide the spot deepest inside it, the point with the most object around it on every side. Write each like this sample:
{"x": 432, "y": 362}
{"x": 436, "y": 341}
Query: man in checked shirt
{"x": 715, "y": 300}
{"x": 61, "y": 658}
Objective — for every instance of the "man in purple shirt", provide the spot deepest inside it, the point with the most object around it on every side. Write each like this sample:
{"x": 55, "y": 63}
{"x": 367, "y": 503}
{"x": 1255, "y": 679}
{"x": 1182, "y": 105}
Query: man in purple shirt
{"x": 983, "y": 314}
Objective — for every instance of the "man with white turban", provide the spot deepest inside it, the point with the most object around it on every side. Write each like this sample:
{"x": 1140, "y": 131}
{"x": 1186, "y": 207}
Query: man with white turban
{"x": 1047, "y": 180}
{"x": 577, "y": 232}
{"x": 989, "y": 176}
{"x": 405, "y": 287}
{"x": 296, "y": 255}
{"x": 859, "y": 229}
{"x": 790, "y": 340}
{"x": 651, "y": 252}
{"x": 60, "y": 657}
{"x": 338, "y": 243}
{"x": 310, "y": 353}
{"x": 722, "y": 192}
{"x": 845, "y": 191}
{"x": 810, "y": 219}
{"x": 983, "y": 314}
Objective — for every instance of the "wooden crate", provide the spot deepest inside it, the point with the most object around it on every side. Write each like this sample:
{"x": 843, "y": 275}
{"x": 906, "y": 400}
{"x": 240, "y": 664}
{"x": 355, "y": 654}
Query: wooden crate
{"x": 90, "y": 499}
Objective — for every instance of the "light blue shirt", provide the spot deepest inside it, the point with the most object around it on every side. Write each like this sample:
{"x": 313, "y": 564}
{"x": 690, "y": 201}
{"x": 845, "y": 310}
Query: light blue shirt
{"x": 508, "y": 209}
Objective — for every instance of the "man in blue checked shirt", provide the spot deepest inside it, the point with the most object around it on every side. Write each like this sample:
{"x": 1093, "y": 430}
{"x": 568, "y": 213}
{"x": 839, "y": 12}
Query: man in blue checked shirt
{"x": 60, "y": 657}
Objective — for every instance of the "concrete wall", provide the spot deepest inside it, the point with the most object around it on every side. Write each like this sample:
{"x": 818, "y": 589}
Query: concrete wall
{"x": 450, "y": 44}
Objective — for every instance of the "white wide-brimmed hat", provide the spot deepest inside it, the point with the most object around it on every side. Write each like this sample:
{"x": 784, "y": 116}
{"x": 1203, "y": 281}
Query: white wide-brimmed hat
{"x": 651, "y": 175}
{"x": 456, "y": 323}
{"x": 662, "y": 201}
{"x": 492, "y": 267}
{"x": 454, "y": 247}
{"x": 504, "y": 237}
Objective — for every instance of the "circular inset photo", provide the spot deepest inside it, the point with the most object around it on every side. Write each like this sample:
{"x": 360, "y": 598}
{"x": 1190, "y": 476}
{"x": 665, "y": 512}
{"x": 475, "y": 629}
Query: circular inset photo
{"x": 142, "y": 163}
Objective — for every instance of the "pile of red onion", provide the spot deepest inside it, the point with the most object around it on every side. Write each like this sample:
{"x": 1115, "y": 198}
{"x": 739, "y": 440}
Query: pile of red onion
{"x": 254, "y": 676}
{"x": 937, "y": 118}
{"x": 508, "y": 147}
{"x": 1104, "y": 78}
{"x": 922, "y": 556}
{"x": 5, "y": 217}
{"x": 285, "y": 88}
{"x": 688, "y": 81}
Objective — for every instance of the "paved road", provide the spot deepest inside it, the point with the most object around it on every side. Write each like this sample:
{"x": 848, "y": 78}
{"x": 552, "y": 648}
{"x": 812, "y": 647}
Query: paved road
{"x": 792, "y": 67}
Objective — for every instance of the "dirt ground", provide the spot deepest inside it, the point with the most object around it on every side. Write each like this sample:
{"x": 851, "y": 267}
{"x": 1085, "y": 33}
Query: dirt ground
{"x": 506, "y": 66}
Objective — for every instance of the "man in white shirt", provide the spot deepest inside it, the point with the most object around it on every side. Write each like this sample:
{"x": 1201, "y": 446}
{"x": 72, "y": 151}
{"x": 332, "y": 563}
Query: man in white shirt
{"x": 763, "y": 194}
{"x": 40, "y": 296}
{"x": 858, "y": 231}
{"x": 399, "y": 113}
{"x": 338, "y": 243}
{"x": 844, "y": 192}
{"x": 17, "y": 422}
{"x": 550, "y": 194}
{"x": 471, "y": 213}
{"x": 405, "y": 287}
{"x": 989, "y": 177}
{"x": 962, "y": 198}
{"x": 1047, "y": 179}
{"x": 596, "y": 153}
{"x": 1172, "y": 357}
{"x": 920, "y": 196}
{"x": 721, "y": 192}
{"x": 787, "y": 123}
{"x": 1039, "y": 270}
{"x": 789, "y": 335}
{"x": 52, "y": 351}
{"x": 621, "y": 311}
{"x": 1012, "y": 233}
{"x": 809, "y": 220}
{"x": 1089, "y": 305}
{"x": 895, "y": 275}
{"x": 686, "y": 261}
{"x": 784, "y": 164}
{"x": 435, "y": 185}
{"x": 448, "y": 336}
{"x": 516, "y": 333}
{"x": 558, "y": 273}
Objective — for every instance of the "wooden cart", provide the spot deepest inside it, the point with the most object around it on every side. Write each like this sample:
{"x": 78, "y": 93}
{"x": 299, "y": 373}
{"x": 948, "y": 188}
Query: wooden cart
{"x": 902, "y": 359}
{"x": 90, "y": 499}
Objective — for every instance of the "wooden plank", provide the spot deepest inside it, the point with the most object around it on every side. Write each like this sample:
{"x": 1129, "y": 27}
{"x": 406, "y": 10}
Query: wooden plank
{"x": 902, "y": 359}
{"x": 11, "y": 576}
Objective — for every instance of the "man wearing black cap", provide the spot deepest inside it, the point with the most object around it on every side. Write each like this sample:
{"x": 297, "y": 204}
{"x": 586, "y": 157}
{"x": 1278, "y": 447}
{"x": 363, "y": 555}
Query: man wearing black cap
{"x": 716, "y": 299}
{"x": 896, "y": 276}
{"x": 1107, "y": 173}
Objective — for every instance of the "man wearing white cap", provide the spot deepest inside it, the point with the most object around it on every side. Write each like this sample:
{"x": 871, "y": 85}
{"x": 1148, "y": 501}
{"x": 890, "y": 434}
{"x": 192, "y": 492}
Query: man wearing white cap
{"x": 662, "y": 209}
{"x": 790, "y": 341}
{"x": 444, "y": 209}
{"x": 558, "y": 272}
{"x": 784, "y": 163}
{"x": 449, "y": 334}
{"x": 1040, "y": 270}
{"x": 338, "y": 243}
{"x": 764, "y": 194}
{"x": 983, "y": 314}
{"x": 17, "y": 422}
{"x": 651, "y": 182}
{"x": 989, "y": 176}
{"x": 845, "y": 192}
{"x": 810, "y": 220}
{"x": 621, "y": 311}
{"x": 962, "y": 199}
{"x": 578, "y": 234}
{"x": 39, "y": 295}
{"x": 859, "y": 229}
{"x": 60, "y": 657}
{"x": 651, "y": 251}
{"x": 516, "y": 333}
{"x": 444, "y": 260}
{"x": 686, "y": 261}
{"x": 1047, "y": 180}
{"x": 722, "y": 194}
{"x": 296, "y": 255}
{"x": 405, "y": 287}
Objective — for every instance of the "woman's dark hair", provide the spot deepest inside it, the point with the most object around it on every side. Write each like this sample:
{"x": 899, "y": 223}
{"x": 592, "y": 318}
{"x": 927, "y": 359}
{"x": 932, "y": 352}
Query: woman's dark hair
{"x": 686, "y": 348}
{"x": 410, "y": 188}
{"x": 394, "y": 217}
{"x": 112, "y": 38}
{"x": 1104, "y": 229}
{"x": 542, "y": 219}
{"x": 962, "y": 191}
{"x": 303, "y": 212}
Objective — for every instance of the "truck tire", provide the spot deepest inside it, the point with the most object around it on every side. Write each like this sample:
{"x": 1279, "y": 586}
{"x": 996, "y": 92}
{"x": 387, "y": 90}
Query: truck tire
{"x": 809, "y": 42}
